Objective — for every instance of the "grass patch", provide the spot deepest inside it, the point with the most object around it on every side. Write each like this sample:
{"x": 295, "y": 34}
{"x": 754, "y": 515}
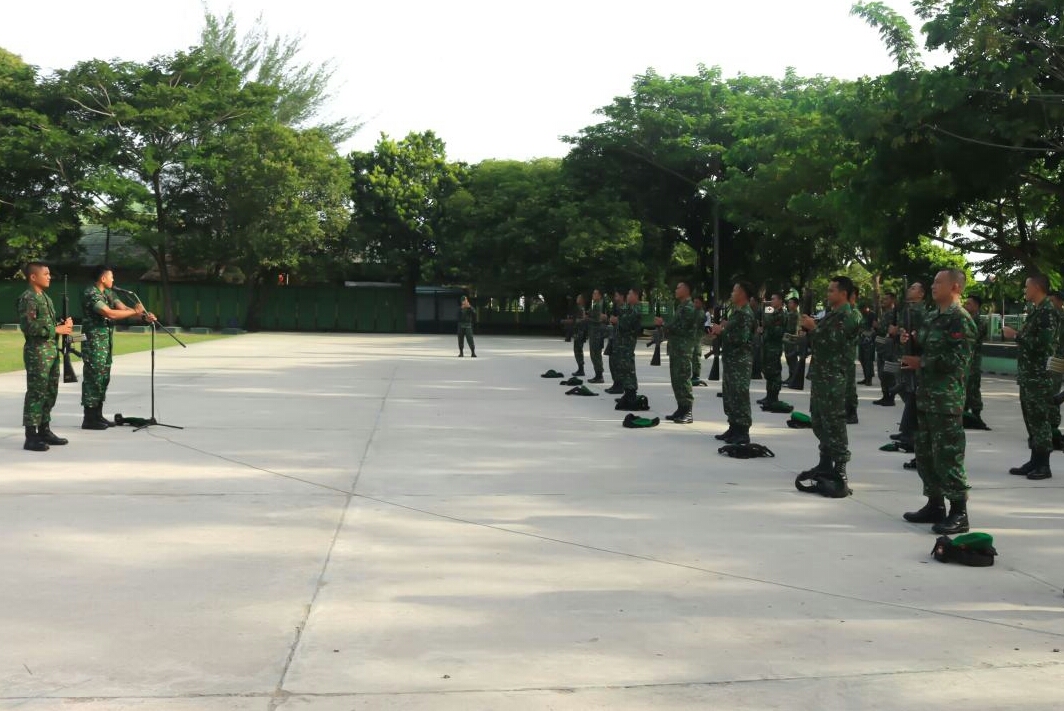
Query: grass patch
{"x": 11, "y": 345}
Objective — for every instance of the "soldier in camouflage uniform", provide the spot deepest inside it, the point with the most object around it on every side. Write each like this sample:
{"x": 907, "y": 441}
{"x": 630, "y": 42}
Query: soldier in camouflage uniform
{"x": 973, "y": 403}
{"x": 737, "y": 355}
{"x": 773, "y": 326}
{"x": 579, "y": 333}
{"x": 100, "y": 308}
{"x": 792, "y": 347}
{"x": 467, "y": 316}
{"x": 911, "y": 319}
{"x": 681, "y": 331}
{"x": 595, "y": 320}
{"x": 831, "y": 341}
{"x": 885, "y": 347}
{"x": 851, "y": 374}
{"x": 627, "y": 327}
{"x": 696, "y": 353}
{"x": 618, "y": 305}
{"x": 40, "y": 355}
{"x": 942, "y": 355}
{"x": 1037, "y": 340}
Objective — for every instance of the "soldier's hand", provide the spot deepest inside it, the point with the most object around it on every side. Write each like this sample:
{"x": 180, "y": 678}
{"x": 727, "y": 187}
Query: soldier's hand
{"x": 716, "y": 329}
{"x": 808, "y": 322}
{"x": 65, "y": 328}
{"x": 892, "y": 330}
{"x": 904, "y": 336}
{"x": 1009, "y": 332}
{"x": 910, "y": 362}
{"x": 139, "y": 308}
{"x": 613, "y": 320}
{"x": 659, "y": 321}
{"x": 150, "y": 317}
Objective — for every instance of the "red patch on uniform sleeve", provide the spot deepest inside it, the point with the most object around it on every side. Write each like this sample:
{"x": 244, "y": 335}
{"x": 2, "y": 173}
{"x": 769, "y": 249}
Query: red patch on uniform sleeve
{"x": 957, "y": 336}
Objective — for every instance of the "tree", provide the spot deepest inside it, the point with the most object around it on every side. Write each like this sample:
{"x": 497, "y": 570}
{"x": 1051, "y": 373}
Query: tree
{"x": 149, "y": 123}
{"x": 399, "y": 190}
{"x": 38, "y": 209}
{"x": 302, "y": 90}
{"x": 521, "y": 229}
{"x": 277, "y": 197}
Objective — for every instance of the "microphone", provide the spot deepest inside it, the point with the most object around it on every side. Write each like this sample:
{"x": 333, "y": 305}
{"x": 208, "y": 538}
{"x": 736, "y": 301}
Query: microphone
{"x": 120, "y": 289}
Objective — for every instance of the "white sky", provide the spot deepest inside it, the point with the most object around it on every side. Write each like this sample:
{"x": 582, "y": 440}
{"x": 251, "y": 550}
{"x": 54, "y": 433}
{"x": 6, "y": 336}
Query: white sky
{"x": 494, "y": 79}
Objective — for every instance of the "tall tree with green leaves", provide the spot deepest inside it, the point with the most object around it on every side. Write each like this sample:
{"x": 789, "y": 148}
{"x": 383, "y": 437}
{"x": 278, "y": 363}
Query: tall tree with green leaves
{"x": 149, "y": 123}
{"x": 302, "y": 88}
{"x": 399, "y": 191}
{"x": 276, "y": 198}
{"x": 38, "y": 164}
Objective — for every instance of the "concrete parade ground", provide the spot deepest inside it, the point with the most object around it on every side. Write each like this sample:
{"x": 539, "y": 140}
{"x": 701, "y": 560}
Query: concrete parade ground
{"x": 369, "y": 522}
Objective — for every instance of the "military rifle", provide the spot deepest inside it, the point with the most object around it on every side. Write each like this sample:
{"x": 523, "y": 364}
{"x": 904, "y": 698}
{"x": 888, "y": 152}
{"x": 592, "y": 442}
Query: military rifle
{"x": 657, "y": 338}
{"x": 66, "y": 343}
{"x": 714, "y": 353}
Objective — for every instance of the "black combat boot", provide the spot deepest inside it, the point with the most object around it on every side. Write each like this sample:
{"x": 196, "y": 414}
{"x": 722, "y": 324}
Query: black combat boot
{"x": 739, "y": 435}
{"x": 1024, "y": 469}
{"x": 597, "y": 379}
{"x": 934, "y": 511}
{"x": 1058, "y": 440}
{"x": 472, "y": 352}
{"x": 626, "y": 401}
{"x": 885, "y": 401}
{"x": 674, "y": 415}
{"x": 684, "y": 417}
{"x": 614, "y": 389}
{"x": 1041, "y": 466}
{"x": 839, "y": 486}
{"x": 461, "y": 354}
{"x": 726, "y": 434}
{"x": 823, "y": 468}
{"x": 101, "y": 418}
{"x": 579, "y": 372}
{"x": 761, "y": 400}
{"x": 45, "y": 434}
{"x": 91, "y": 422}
{"x": 851, "y": 416}
{"x": 34, "y": 443}
{"x": 956, "y": 522}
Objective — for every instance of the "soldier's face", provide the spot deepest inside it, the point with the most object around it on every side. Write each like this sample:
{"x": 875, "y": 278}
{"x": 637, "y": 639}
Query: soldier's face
{"x": 738, "y": 295}
{"x": 777, "y": 303}
{"x": 633, "y": 298}
{"x": 108, "y": 279}
{"x": 971, "y": 307}
{"x": 1031, "y": 291}
{"x": 596, "y": 295}
{"x": 42, "y": 277}
{"x": 836, "y": 296}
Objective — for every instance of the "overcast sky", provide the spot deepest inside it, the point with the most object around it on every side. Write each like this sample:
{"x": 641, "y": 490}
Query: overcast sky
{"x": 494, "y": 79}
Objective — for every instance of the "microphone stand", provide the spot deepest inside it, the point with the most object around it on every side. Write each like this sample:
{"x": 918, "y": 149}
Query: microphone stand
{"x": 154, "y": 326}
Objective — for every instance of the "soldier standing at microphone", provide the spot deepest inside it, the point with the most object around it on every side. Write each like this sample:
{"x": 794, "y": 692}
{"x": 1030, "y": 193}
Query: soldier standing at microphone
{"x": 101, "y": 308}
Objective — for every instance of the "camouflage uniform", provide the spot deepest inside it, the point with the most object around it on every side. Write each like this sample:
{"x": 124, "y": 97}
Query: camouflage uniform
{"x": 944, "y": 344}
{"x": 594, "y": 336}
{"x": 886, "y": 351}
{"x": 615, "y": 310}
{"x": 851, "y": 375}
{"x": 680, "y": 329}
{"x": 831, "y": 342}
{"x": 775, "y": 325}
{"x": 466, "y": 317}
{"x": 1037, "y": 340}
{"x": 626, "y": 334}
{"x": 96, "y": 351}
{"x": 696, "y": 352}
{"x": 40, "y": 355}
{"x": 579, "y": 335}
{"x": 973, "y": 401}
{"x": 737, "y": 354}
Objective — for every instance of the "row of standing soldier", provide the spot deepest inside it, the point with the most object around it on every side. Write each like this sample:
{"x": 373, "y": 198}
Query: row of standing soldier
{"x": 937, "y": 372}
